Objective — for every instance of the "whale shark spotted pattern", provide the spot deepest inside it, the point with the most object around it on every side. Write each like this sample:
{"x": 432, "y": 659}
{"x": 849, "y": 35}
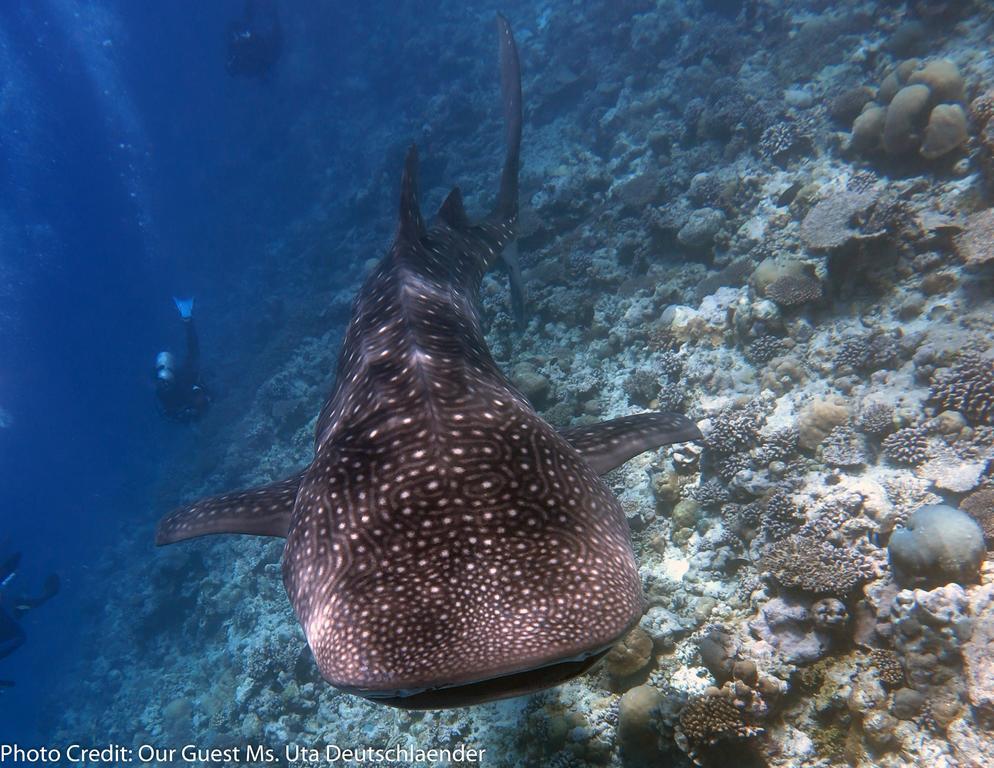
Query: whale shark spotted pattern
{"x": 446, "y": 545}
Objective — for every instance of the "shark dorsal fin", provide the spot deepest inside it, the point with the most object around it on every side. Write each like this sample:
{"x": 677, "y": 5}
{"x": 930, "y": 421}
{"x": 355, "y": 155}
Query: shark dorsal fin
{"x": 452, "y": 211}
{"x": 412, "y": 226}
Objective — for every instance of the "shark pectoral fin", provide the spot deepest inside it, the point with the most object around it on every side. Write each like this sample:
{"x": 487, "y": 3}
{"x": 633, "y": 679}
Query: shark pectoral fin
{"x": 263, "y": 511}
{"x": 509, "y": 258}
{"x": 611, "y": 443}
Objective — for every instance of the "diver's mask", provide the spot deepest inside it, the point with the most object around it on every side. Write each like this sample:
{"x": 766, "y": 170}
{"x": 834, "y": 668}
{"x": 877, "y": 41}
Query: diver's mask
{"x": 165, "y": 367}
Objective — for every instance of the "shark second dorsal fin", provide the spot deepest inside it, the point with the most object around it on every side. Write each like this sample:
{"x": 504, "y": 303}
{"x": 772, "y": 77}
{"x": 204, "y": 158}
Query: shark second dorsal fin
{"x": 263, "y": 511}
{"x": 611, "y": 443}
{"x": 412, "y": 225}
{"x": 452, "y": 212}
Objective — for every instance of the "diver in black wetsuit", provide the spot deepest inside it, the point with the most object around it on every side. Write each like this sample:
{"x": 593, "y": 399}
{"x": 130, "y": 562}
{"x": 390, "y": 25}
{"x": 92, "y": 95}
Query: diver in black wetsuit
{"x": 180, "y": 392}
{"x": 13, "y": 608}
{"x": 255, "y": 41}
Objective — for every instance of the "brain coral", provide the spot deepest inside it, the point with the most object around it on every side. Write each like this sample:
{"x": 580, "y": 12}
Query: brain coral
{"x": 968, "y": 389}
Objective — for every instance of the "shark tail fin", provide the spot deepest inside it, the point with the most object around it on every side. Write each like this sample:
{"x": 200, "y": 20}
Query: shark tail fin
{"x": 611, "y": 443}
{"x": 263, "y": 511}
{"x": 184, "y": 307}
{"x": 505, "y": 214}
{"x": 506, "y": 211}
{"x": 412, "y": 225}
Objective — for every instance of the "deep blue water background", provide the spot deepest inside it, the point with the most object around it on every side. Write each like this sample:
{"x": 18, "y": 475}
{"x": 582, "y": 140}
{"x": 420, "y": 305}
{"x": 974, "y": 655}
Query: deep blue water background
{"x": 134, "y": 169}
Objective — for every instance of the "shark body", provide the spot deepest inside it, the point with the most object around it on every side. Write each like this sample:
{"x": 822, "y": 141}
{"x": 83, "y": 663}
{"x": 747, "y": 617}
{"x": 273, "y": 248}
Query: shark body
{"x": 447, "y": 546}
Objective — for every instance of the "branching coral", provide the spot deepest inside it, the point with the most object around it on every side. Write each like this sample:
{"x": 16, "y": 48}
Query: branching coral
{"x": 877, "y": 419}
{"x": 780, "y": 445}
{"x": 709, "y": 719}
{"x": 843, "y": 448}
{"x": 980, "y": 506}
{"x": 732, "y": 431}
{"x": 908, "y": 446}
{"x": 765, "y": 348}
{"x": 968, "y": 388}
{"x": 780, "y": 515}
{"x": 782, "y": 141}
{"x": 641, "y": 386}
{"x": 868, "y": 353}
{"x": 889, "y": 667}
{"x": 711, "y": 494}
{"x": 794, "y": 290}
{"x": 814, "y": 566}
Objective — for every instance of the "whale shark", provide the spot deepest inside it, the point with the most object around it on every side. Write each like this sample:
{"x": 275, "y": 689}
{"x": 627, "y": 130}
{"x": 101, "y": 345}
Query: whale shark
{"x": 447, "y": 546}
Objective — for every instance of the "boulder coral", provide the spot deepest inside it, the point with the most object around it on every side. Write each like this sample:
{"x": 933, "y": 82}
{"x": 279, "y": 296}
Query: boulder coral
{"x": 919, "y": 108}
{"x": 939, "y": 544}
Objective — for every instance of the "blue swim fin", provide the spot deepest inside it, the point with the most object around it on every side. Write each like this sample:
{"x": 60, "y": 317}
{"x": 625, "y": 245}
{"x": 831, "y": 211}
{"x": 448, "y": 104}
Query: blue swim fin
{"x": 185, "y": 307}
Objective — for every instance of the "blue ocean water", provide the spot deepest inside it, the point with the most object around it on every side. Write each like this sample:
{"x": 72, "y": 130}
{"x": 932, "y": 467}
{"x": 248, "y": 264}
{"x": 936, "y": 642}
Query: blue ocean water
{"x": 134, "y": 169}
{"x": 721, "y": 217}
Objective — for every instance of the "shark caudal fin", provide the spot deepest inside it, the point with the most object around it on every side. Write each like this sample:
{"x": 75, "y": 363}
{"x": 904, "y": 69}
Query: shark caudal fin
{"x": 506, "y": 210}
{"x": 611, "y": 443}
{"x": 263, "y": 511}
{"x": 505, "y": 213}
{"x": 184, "y": 307}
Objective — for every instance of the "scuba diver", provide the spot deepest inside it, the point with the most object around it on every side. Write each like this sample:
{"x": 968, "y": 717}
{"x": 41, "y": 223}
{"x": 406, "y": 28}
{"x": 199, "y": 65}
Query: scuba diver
{"x": 13, "y": 608}
{"x": 254, "y": 41}
{"x": 180, "y": 393}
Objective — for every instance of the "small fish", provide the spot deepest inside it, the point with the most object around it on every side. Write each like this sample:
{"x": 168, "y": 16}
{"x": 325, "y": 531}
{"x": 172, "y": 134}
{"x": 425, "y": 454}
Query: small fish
{"x": 447, "y": 546}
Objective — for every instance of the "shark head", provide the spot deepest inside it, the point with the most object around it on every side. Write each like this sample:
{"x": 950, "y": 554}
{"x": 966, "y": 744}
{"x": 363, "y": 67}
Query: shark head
{"x": 471, "y": 545}
{"x": 446, "y": 545}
